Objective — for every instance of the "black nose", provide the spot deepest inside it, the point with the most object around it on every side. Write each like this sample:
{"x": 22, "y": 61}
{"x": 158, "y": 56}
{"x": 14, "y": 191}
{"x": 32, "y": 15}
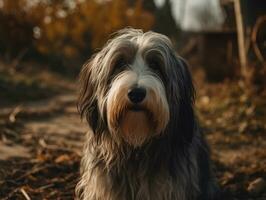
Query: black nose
{"x": 136, "y": 95}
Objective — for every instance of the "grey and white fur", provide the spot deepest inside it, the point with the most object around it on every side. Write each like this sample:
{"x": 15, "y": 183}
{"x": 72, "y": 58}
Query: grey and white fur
{"x": 144, "y": 141}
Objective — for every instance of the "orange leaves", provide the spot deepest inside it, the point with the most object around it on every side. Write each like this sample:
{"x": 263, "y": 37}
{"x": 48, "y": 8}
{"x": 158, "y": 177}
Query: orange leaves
{"x": 65, "y": 30}
{"x": 108, "y": 16}
{"x": 114, "y": 15}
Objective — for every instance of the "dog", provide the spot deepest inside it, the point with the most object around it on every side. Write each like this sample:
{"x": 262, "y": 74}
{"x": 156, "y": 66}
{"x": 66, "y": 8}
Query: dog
{"x": 144, "y": 142}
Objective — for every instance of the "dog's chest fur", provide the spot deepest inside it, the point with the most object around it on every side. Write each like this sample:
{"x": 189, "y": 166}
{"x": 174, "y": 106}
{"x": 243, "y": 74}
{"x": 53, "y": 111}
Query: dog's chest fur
{"x": 135, "y": 179}
{"x": 137, "y": 185}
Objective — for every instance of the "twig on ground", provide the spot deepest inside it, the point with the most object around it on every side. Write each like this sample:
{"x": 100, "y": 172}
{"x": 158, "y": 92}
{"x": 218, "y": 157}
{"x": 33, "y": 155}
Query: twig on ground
{"x": 27, "y": 197}
{"x": 33, "y": 171}
{"x": 12, "y": 116}
{"x": 57, "y": 148}
{"x": 46, "y": 186}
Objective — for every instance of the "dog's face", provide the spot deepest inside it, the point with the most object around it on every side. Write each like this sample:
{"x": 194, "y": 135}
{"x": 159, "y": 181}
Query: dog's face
{"x": 136, "y": 88}
{"x": 136, "y": 102}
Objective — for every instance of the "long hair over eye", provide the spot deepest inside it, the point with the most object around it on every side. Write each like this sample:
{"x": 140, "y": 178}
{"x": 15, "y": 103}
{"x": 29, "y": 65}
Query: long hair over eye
{"x": 156, "y": 64}
{"x": 120, "y": 64}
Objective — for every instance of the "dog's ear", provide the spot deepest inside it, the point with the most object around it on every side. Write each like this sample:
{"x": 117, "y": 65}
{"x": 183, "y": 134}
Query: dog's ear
{"x": 181, "y": 100}
{"x": 87, "y": 101}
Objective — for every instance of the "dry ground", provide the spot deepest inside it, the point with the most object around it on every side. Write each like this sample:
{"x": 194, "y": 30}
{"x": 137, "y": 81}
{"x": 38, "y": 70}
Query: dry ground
{"x": 41, "y": 139}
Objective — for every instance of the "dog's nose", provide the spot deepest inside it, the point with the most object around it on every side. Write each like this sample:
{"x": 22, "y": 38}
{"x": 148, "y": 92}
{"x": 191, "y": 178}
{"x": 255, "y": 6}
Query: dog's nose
{"x": 137, "y": 94}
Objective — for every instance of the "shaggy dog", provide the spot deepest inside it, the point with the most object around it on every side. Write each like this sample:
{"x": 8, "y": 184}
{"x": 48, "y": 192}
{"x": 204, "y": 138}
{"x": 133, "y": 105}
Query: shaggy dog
{"x": 144, "y": 142}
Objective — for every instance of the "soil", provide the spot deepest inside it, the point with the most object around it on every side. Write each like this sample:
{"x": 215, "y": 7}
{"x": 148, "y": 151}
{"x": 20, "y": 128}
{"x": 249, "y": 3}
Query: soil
{"x": 41, "y": 142}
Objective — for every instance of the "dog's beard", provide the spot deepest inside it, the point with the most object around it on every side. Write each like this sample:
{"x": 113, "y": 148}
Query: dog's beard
{"x": 136, "y": 127}
{"x": 131, "y": 124}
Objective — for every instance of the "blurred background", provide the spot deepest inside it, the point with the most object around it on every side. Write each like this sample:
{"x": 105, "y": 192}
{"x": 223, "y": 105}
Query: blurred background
{"x": 64, "y": 33}
{"x": 43, "y": 44}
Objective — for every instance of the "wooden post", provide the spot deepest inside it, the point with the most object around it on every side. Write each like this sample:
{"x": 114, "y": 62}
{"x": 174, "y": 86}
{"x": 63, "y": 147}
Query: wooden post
{"x": 240, "y": 38}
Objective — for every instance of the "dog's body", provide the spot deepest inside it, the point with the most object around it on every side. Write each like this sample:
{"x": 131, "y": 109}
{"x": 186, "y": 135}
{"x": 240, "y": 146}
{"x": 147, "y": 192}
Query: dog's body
{"x": 144, "y": 142}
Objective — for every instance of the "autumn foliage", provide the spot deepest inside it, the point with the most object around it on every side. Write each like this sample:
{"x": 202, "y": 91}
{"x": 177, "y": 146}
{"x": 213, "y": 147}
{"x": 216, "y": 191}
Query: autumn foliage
{"x": 65, "y": 28}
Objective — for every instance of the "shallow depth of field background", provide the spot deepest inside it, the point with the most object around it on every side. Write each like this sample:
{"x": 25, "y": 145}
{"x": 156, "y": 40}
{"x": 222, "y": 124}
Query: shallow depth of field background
{"x": 43, "y": 44}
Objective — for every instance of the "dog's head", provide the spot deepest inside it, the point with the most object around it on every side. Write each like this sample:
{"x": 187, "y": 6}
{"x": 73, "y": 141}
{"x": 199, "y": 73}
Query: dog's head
{"x": 136, "y": 88}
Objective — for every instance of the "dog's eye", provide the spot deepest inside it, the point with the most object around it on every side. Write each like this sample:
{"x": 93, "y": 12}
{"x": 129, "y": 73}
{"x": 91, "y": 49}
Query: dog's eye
{"x": 120, "y": 64}
{"x": 156, "y": 67}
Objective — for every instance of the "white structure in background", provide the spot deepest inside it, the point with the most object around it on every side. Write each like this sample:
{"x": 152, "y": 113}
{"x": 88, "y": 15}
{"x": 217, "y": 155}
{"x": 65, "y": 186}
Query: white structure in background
{"x": 197, "y": 15}
{"x": 202, "y": 15}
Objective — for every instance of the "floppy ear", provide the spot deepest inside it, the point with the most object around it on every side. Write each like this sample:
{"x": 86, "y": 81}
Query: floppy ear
{"x": 186, "y": 101}
{"x": 87, "y": 101}
{"x": 181, "y": 100}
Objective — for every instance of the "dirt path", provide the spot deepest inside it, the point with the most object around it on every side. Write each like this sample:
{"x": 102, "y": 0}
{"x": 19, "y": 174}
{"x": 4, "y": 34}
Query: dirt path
{"x": 39, "y": 140}
{"x": 52, "y": 122}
